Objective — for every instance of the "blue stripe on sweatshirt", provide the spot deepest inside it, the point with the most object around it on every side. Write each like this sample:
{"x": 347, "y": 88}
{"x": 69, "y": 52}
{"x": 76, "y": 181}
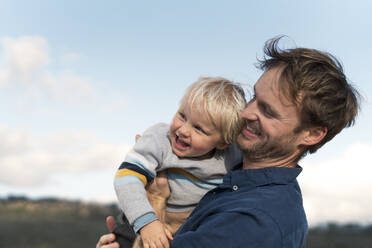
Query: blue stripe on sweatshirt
{"x": 210, "y": 184}
{"x": 137, "y": 168}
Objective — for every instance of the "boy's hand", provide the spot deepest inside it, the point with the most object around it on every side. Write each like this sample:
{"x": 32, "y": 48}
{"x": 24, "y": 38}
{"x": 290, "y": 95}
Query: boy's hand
{"x": 155, "y": 235}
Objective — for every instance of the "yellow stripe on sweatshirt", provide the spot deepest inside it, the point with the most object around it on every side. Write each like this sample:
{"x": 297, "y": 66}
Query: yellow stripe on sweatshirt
{"x": 184, "y": 173}
{"x": 126, "y": 172}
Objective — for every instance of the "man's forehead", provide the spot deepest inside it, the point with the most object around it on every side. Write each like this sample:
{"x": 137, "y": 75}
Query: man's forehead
{"x": 267, "y": 86}
{"x": 270, "y": 79}
{"x": 271, "y": 90}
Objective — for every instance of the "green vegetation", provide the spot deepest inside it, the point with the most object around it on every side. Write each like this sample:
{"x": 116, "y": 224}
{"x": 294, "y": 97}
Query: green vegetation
{"x": 53, "y": 223}
{"x": 340, "y": 236}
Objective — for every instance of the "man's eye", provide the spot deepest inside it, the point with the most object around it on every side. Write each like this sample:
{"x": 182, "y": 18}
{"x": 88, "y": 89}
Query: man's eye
{"x": 265, "y": 111}
{"x": 268, "y": 114}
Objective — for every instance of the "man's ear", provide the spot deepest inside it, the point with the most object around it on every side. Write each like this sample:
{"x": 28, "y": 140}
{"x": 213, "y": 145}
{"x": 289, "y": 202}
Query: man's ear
{"x": 222, "y": 146}
{"x": 313, "y": 135}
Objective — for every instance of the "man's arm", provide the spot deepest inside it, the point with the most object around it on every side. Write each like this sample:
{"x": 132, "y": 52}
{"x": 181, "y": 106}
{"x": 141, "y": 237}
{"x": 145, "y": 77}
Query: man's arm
{"x": 231, "y": 229}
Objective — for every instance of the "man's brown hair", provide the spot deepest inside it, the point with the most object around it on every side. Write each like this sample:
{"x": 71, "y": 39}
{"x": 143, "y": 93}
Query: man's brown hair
{"x": 315, "y": 82}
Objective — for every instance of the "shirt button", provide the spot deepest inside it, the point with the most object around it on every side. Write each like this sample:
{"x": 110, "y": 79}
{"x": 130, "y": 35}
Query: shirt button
{"x": 235, "y": 187}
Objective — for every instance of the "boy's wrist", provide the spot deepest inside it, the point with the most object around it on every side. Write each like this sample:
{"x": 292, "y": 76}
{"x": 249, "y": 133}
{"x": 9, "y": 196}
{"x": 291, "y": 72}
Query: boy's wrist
{"x": 143, "y": 221}
{"x": 149, "y": 227}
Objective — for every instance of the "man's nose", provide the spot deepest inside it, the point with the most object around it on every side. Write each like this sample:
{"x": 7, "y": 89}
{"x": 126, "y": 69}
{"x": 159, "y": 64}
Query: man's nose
{"x": 251, "y": 111}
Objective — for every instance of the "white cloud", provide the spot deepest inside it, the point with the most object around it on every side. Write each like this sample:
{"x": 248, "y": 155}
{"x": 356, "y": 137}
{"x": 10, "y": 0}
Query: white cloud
{"x": 70, "y": 58}
{"x": 69, "y": 88}
{"x": 24, "y": 57}
{"x": 24, "y": 68}
{"x": 339, "y": 189}
{"x": 26, "y": 161}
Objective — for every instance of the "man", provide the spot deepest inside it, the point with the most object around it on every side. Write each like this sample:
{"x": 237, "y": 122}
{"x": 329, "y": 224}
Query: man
{"x": 301, "y": 101}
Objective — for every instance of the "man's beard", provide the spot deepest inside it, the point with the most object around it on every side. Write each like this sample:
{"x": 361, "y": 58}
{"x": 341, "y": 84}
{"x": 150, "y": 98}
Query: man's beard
{"x": 267, "y": 148}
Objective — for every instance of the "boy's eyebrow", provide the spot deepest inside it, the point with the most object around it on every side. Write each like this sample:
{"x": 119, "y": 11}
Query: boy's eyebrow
{"x": 206, "y": 128}
{"x": 265, "y": 106}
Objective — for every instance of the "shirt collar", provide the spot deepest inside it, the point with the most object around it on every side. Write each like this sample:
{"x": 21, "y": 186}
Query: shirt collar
{"x": 258, "y": 177}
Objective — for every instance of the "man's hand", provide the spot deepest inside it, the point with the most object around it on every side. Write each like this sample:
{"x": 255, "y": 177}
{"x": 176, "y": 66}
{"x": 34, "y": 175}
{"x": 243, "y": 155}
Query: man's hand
{"x": 110, "y": 223}
{"x": 158, "y": 192}
{"x": 159, "y": 187}
{"x": 173, "y": 221}
{"x": 155, "y": 235}
{"x": 107, "y": 240}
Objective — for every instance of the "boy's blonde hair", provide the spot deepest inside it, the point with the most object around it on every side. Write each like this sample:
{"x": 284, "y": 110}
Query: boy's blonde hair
{"x": 222, "y": 101}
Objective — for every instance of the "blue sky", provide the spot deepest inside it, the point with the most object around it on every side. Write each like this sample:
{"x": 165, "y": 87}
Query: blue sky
{"x": 78, "y": 80}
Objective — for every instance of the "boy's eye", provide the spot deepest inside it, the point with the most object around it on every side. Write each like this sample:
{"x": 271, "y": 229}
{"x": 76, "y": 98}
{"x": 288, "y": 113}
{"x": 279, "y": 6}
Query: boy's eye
{"x": 253, "y": 97}
{"x": 182, "y": 115}
{"x": 200, "y": 129}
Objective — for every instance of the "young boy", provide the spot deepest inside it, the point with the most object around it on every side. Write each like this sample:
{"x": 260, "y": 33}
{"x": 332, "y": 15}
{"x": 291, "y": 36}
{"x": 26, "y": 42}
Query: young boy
{"x": 195, "y": 149}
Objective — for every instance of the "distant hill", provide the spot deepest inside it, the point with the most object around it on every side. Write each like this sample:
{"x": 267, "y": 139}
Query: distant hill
{"x": 54, "y": 223}
{"x": 51, "y": 223}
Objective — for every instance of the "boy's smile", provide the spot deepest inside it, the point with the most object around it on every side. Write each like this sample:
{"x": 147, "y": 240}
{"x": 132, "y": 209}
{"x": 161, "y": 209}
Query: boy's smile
{"x": 181, "y": 145}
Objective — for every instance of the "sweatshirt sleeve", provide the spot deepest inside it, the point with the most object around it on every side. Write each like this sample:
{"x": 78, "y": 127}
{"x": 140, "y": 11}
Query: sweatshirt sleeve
{"x": 138, "y": 169}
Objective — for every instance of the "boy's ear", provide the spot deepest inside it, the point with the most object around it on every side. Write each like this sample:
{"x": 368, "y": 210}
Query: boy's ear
{"x": 313, "y": 135}
{"x": 222, "y": 146}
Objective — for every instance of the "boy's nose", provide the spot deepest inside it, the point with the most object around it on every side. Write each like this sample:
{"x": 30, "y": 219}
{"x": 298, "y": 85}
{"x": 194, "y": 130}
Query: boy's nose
{"x": 184, "y": 130}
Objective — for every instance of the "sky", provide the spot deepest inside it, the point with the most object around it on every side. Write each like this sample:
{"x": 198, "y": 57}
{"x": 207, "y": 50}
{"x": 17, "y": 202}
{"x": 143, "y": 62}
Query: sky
{"x": 79, "y": 79}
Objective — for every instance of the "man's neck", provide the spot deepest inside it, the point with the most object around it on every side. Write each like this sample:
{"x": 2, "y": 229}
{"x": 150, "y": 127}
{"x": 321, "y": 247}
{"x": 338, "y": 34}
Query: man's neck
{"x": 289, "y": 162}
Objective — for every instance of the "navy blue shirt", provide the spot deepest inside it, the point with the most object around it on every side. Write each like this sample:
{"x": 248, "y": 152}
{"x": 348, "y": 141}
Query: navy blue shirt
{"x": 251, "y": 208}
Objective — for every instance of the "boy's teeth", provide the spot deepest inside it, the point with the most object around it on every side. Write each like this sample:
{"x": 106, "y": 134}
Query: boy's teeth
{"x": 181, "y": 142}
